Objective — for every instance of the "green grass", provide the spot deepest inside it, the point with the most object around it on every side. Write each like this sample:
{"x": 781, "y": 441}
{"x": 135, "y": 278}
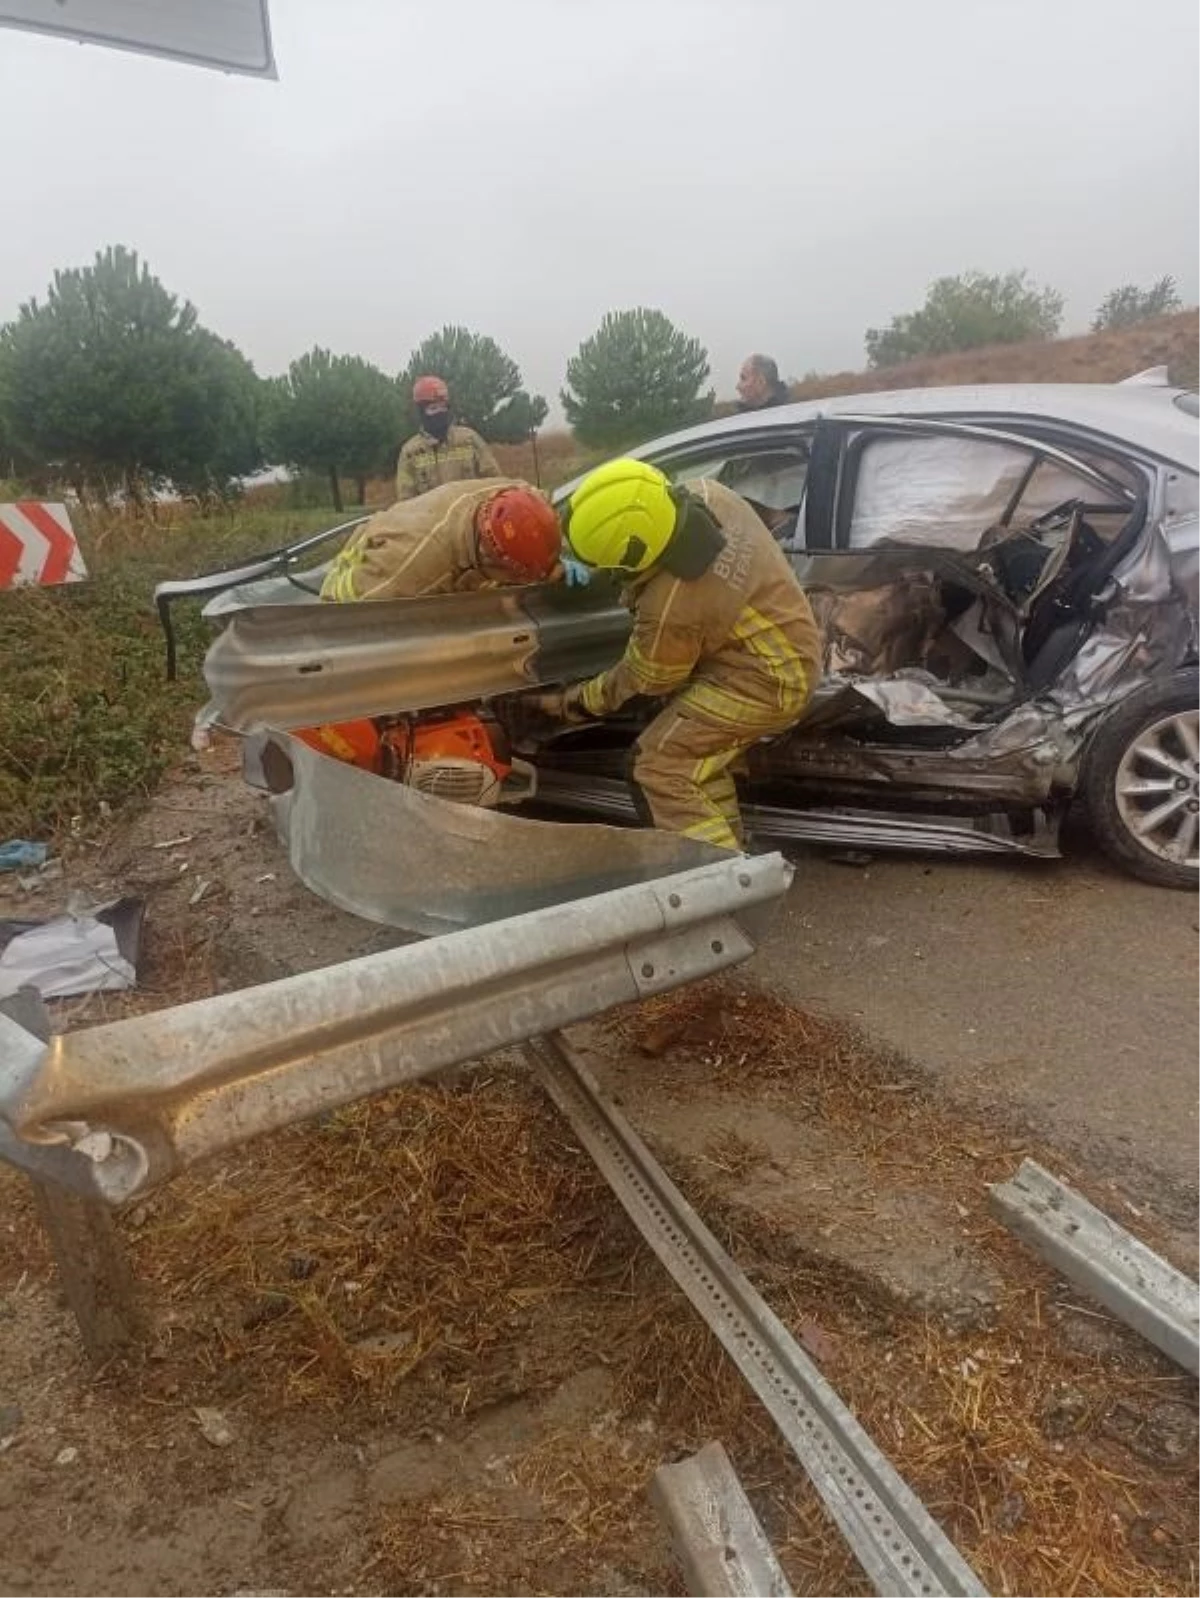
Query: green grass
{"x": 87, "y": 717}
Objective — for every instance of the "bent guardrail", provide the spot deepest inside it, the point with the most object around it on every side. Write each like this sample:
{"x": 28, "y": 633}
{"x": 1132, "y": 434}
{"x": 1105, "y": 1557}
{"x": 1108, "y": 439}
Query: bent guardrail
{"x": 116, "y": 1109}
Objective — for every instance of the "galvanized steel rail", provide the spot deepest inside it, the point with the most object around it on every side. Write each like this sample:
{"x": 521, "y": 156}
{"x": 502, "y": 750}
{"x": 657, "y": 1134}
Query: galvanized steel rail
{"x": 900, "y": 1546}
{"x": 720, "y": 1544}
{"x": 115, "y": 1109}
{"x": 1104, "y": 1260}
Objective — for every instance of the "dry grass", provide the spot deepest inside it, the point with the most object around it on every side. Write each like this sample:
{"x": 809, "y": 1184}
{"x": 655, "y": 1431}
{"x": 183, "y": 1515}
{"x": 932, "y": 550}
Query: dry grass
{"x": 423, "y": 1231}
{"x": 444, "y": 1257}
{"x": 745, "y": 1039}
{"x": 558, "y": 457}
{"x": 1057, "y": 1448}
{"x": 1169, "y": 341}
{"x": 558, "y": 1505}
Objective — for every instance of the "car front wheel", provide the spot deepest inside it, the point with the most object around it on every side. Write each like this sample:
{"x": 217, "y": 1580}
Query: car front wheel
{"x": 1141, "y": 782}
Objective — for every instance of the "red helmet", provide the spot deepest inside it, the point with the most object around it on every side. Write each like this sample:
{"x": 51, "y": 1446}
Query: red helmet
{"x": 519, "y": 531}
{"x": 430, "y": 391}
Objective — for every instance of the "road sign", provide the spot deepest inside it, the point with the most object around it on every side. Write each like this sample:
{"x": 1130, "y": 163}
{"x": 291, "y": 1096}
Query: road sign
{"x": 37, "y": 545}
{"x": 232, "y": 35}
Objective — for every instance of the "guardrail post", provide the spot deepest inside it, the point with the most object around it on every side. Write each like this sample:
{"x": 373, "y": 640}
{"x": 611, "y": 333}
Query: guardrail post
{"x": 722, "y": 1548}
{"x": 93, "y": 1269}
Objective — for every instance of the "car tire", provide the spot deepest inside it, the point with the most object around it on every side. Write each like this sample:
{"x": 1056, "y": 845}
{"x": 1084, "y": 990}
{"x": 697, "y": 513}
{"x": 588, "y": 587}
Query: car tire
{"x": 1141, "y": 781}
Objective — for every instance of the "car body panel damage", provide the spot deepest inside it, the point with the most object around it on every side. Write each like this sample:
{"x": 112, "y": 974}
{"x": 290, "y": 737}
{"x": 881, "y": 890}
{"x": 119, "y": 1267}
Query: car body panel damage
{"x": 996, "y": 572}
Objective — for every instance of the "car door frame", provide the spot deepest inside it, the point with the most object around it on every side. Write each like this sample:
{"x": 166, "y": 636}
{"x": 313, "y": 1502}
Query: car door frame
{"x": 744, "y": 441}
{"x": 839, "y": 443}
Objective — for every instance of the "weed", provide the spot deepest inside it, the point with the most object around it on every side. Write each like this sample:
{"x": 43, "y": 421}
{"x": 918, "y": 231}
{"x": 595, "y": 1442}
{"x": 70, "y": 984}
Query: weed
{"x": 87, "y": 718}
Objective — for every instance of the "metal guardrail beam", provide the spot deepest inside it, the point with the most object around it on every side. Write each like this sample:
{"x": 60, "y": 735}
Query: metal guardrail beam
{"x": 115, "y": 1109}
{"x": 389, "y": 853}
{"x": 720, "y": 1543}
{"x": 894, "y": 1537}
{"x": 93, "y": 1268}
{"x": 1099, "y": 1256}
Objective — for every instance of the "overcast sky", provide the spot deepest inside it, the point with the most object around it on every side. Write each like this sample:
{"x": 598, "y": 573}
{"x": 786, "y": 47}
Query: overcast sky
{"x": 775, "y": 175}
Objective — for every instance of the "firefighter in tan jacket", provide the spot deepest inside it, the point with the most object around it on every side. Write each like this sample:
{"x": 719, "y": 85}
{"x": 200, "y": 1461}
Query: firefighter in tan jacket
{"x": 458, "y": 537}
{"x": 722, "y": 631}
{"x": 443, "y": 451}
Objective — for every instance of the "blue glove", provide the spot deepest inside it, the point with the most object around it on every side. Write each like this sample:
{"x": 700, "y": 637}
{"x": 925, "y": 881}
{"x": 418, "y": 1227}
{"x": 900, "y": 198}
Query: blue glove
{"x": 575, "y": 573}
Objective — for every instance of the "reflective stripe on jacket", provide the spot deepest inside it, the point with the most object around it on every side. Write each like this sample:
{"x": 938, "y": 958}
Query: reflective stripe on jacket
{"x": 423, "y": 546}
{"x": 738, "y": 647}
{"x": 424, "y": 463}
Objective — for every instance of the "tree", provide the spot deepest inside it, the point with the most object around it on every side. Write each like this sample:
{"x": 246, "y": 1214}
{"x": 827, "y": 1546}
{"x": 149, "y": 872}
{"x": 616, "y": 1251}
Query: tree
{"x": 484, "y": 383}
{"x": 1128, "y": 304}
{"x": 962, "y": 313}
{"x": 335, "y": 414}
{"x": 219, "y": 413}
{"x": 636, "y": 376}
{"x": 517, "y": 419}
{"x": 16, "y": 466}
{"x": 113, "y": 378}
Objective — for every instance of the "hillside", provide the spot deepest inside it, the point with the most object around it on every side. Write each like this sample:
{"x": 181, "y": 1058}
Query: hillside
{"x": 1090, "y": 358}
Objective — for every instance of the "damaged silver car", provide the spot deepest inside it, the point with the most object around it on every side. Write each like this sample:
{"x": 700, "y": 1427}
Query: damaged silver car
{"x": 1007, "y": 582}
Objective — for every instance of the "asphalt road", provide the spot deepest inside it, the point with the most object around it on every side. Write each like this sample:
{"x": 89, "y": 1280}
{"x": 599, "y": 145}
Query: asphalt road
{"x": 1062, "y": 991}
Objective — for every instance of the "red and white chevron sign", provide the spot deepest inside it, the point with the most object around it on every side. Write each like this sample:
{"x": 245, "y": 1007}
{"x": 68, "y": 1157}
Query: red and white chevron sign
{"x": 37, "y": 545}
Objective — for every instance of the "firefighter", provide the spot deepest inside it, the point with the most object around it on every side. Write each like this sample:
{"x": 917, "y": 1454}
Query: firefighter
{"x": 457, "y": 537}
{"x": 443, "y": 451}
{"x": 721, "y": 630}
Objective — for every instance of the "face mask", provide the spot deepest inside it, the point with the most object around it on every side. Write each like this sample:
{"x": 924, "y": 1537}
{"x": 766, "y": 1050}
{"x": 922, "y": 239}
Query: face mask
{"x": 436, "y": 424}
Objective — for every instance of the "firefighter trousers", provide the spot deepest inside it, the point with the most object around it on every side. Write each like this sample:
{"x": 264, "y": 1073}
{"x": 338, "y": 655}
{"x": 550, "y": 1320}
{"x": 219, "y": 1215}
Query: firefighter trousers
{"x": 682, "y": 775}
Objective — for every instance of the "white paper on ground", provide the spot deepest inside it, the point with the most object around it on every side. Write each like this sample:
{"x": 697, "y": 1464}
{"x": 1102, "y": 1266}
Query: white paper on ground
{"x": 73, "y": 954}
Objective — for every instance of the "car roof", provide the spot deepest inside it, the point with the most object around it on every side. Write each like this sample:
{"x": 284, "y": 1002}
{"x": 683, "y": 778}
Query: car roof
{"x": 1142, "y": 415}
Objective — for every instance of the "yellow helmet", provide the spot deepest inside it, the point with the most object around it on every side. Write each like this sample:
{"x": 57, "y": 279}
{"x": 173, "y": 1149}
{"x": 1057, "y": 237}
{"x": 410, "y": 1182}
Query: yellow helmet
{"x": 621, "y": 516}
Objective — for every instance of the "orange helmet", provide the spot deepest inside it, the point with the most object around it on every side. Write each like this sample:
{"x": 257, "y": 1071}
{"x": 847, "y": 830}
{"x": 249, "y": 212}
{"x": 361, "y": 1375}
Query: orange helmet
{"x": 519, "y": 531}
{"x": 430, "y": 391}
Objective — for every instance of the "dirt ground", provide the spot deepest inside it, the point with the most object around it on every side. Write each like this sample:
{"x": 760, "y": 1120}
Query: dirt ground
{"x": 415, "y": 1347}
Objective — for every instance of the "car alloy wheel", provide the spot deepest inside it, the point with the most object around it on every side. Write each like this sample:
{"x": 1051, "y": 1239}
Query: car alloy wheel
{"x": 1157, "y": 788}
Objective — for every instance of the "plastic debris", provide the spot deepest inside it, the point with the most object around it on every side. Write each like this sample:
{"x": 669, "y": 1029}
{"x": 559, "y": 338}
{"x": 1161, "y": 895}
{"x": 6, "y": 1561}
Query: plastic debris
{"x": 86, "y": 952}
{"x": 18, "y": 854}
{"x": 35, "y": 881}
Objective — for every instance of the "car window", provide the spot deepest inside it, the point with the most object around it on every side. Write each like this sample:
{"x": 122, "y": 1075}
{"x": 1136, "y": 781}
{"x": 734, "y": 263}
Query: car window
{"x": 771, "y": 479}
{"x": 947, "y": 491}
{"x": 774, "y": 478}
{"x": 1052, "y": 485}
